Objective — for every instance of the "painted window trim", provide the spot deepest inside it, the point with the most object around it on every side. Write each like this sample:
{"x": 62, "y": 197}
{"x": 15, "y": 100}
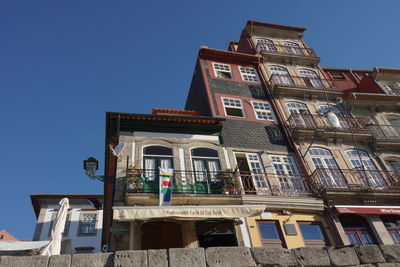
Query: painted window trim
{"x": 241, "y": 107}
{"x": 261, "y": 110}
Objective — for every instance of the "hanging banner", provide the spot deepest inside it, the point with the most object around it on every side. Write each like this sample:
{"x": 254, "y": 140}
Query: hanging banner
{"x": 165, "y": 186}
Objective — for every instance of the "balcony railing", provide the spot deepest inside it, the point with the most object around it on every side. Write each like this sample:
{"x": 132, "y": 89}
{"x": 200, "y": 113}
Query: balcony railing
{"x": 354, "y": 179}
{"x": 385, "y": 132}
{"x": 184, "y": 182}
{"x": 309, "y": 121}
{"x": 274, "y": 184}
{"x": 302, "y": 82}
{"x": 287, "y": 50}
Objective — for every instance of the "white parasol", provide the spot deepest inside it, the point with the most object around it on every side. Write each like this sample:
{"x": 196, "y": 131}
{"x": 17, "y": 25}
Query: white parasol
{"x": 54, "y": 247}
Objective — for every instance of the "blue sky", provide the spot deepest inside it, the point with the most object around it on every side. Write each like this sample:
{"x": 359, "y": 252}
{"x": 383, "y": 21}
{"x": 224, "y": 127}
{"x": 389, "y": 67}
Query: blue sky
{"x": 63, "y": 64}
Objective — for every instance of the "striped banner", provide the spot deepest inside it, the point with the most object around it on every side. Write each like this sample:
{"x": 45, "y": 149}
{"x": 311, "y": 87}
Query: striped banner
{"x": 165, "y": 186}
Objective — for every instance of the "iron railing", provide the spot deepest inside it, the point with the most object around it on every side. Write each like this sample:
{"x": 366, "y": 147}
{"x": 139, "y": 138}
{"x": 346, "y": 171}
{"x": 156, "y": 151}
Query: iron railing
{"x": 287, "y": 50}
{"x": 274, "y": 184}
{"x": 385, "y": 132}
{"x": 309, "y": 121}
{"x": 355, "y": 179}
{"x": 302, "y": 82}
{"x": 184, "y": 182}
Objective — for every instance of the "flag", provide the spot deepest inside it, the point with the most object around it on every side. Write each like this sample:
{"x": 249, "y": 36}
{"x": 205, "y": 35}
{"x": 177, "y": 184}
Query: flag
{"x": 165, "y": 186}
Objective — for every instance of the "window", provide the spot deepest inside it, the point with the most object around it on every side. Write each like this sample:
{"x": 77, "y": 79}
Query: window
{"x": 311, "y": 79}
{"x": 248, "y": 74}
{"x": 1, "y": 237}
{"x": 266, "y": 45}
{"x": 287, "y": 174}
{"x": 87, "y": 225}
{"x": 280, "y": 75}
{"x": 292, "y": 48}
{"x": 298, "y": 108}
{"x": 263, "y": 111}
{"x": 313, "y": 234}
{"x": 392, "y": 224}
{"x": 356, "y": 229}
{"x": 233, "y": 107}
{"x": 392, "y": 88}
{"x": 155, "y": 157}
{"x": 222, "y": 71}
{"x": 394, "y": 165}
{"x": 205, "y": 164}
{"x": 270, "y": 234}
{"x": 66, "y": 227}
{"x": 337, "y": 75}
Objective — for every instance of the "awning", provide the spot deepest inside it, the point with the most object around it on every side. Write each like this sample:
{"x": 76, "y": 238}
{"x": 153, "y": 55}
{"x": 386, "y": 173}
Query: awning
{"x": 22, "y": 245}
{"x": 368, "y": 209}
{"x": 129, "y": 213}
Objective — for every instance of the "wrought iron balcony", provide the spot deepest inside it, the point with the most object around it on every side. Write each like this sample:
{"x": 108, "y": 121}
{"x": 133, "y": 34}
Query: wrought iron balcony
{"x": 286, "y": 50}
{"x": 385, "y": 133}
{"x": 354, "y": 179}
{"x": 315, "y": 122}
{"x": 184, "y": 182}
{"x": 302, "y": 82}
{"x": 274, "y": 184}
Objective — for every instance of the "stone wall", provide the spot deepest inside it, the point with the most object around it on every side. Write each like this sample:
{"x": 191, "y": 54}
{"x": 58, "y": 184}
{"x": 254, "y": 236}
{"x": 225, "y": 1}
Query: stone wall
{"x": 367, "y": 256}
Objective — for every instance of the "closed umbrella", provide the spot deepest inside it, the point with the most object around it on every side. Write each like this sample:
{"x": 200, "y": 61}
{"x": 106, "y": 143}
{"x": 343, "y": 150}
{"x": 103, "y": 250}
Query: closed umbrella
{"x": 54, "y": 247}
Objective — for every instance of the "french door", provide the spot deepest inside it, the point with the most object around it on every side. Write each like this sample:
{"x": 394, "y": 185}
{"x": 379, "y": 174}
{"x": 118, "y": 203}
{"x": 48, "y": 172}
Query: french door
{"x": 287, "y": 174}
{"x": 281, "y": 76}
{"x": 311, "y": 79}
{"x": 325, "y": 164}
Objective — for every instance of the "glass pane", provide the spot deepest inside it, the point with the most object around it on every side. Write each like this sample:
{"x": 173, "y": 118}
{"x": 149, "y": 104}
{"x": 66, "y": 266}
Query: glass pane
{"x": 204, "y": 152}
{"x": 353, "y": 239}
{"x": 157, "y": 150}
{"x": 268, "y": 231}
{"x": 366, "y": 238}
{"x": 311, "y": 232}
{"x": 395, "y": 236}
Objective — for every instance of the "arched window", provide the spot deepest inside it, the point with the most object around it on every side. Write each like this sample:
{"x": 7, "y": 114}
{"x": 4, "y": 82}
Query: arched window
{"x": 326, "y": 167}
{"x": 205, "y": 164}
{"x": 300, "y": 115}
{"x": 280, "y": 75}
{"x": 311, "y": 79}
{"x": 266, "y": 45}
{"x": 155, "y": 157}
{"x": 292, "y": 48}
{"x": 356, "y": 229}
{"x": 296, "y": 107}
{"x": 360, "y": 161}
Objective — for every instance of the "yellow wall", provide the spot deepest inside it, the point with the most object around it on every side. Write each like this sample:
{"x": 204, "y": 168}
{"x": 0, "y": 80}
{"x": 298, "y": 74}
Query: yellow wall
{"x": 291, "y": 241}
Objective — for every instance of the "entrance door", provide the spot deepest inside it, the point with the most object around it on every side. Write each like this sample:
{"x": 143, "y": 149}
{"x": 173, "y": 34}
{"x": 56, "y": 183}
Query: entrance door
{"x": 161, "y": 235}
{"x": 216, "y": 233}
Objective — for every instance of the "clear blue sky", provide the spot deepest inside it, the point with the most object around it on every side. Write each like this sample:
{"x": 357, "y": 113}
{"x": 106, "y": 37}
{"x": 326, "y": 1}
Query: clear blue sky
{"x": 63, "y": 64}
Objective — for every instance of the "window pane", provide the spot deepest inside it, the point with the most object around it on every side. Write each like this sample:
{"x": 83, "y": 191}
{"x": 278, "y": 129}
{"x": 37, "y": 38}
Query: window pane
{"x": 204, "y": 152}
{"x": 268, "y": 231}
{"x": 312, "y": 232}
{"x": 157, "y": 150}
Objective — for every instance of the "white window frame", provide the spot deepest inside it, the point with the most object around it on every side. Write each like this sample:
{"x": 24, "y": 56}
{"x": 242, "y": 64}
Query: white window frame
{"x": 247, "y": 76}
{"x": 222, "y": 70}
{"x": 81, "y": 222}
{"x": 233, "y": 107}
{"x": 269, "y": 112}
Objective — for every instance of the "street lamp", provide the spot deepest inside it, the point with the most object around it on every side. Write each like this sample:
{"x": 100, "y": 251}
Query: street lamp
{"x": 91, "y": 165}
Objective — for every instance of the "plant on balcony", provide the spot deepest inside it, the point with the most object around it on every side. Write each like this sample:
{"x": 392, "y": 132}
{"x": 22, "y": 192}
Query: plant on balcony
{"x": 230, "y": 182}
{"x": 134, "y": 180}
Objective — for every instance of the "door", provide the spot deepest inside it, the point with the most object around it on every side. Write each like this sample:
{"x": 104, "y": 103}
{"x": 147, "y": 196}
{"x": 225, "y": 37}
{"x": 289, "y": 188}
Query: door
{"x": 281, "y": 76}
{"x": 161, "y": 235}
{"x": 216, "y": 233}
{"x": 301, "y": 115}
{"x": 266, "y": 45}
{"x": 206, "y": 166}
{"x": 311, "y": 79}
{"x": 154, "y": 158}
{"x": 287, "y": 174}
{"x": 327, "y": 169}
{"x": 324, "y": 109}
{"x": 292, "y": 48}
{"x": 361, "y": 161}
{"x": 252, "y": 173}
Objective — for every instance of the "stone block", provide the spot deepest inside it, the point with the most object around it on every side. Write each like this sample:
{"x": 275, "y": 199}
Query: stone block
{"x": 93, "y": 260}
{"x": 133, "y": 258}
{"x": 312, "y": 256}
{"x": 188, "y": 257}
{"x": 24, "y": 261}
{"x": 157, "y": 258}
{"x": 273, "y": 256}
{"x": 391, "y": 253}
{"x": 370, "y": 254}
{"x": 393, "y": 264}
{"x": 343, "y": 256}
{"x": 60, "y": 261}
{"x": 229, "y": 256}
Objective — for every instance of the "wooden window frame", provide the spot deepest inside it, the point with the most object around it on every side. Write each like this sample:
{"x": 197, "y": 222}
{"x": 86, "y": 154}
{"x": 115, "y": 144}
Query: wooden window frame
{"x": 316, "y": 242}
{"x": 272, "y": 242}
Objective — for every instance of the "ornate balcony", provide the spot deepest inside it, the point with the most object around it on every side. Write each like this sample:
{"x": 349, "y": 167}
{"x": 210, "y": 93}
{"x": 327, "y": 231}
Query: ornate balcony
{"x": 283, "y": 53}
{"x": 301, "y": 86}
{"x": 272, "y": 184}
{"x": 317, "y": 126}
{"x": 324, "y": 180}
{"x": 386, "y": 136}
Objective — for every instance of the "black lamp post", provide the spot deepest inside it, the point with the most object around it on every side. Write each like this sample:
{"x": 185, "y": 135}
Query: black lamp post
{"x": 91, "y": 165}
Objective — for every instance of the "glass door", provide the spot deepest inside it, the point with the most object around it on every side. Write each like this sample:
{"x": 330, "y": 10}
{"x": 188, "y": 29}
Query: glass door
{"x": 281, "y": 76}
{"x": 287, "y": 174}
{"x": 311, "y": 79}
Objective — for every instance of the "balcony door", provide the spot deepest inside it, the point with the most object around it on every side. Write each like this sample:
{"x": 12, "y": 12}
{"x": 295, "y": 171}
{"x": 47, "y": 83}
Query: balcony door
{"x": 327, "y": 169}
{"x": 361, "y": 161}
{"x": 292, "y": 48}
{"x": 266, "y": 45}
{"x": 302, "y": 116}
{"x": 206, "y": 166}
{"x": 252, "y": 173}
{"x": 155, "y": 157}
{"x": 280, "y": 75}
{"x": 311, "y": 78}
{"x": 287, "y": 174}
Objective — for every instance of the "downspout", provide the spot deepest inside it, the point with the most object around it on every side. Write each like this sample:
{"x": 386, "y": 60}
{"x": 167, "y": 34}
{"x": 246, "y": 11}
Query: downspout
{"x": 280, "y": 117}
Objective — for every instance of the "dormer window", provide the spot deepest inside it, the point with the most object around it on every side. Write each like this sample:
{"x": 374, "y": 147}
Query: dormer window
{"x": 222, "y": 70}
{"x": 337, "y": 75}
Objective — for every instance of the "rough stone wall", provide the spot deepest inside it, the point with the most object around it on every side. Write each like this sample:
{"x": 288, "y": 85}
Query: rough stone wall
{"x": 367, "y": 256}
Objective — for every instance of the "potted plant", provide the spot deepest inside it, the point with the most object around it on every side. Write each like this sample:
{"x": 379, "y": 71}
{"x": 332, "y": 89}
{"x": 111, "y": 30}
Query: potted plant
{"x": 134, "y": 181}
{"x": 229, "y": 181}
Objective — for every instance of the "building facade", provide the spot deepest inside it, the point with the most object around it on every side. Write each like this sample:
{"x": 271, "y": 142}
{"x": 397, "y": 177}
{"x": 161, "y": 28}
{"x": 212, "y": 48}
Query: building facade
{"x": 83, "y": 227}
